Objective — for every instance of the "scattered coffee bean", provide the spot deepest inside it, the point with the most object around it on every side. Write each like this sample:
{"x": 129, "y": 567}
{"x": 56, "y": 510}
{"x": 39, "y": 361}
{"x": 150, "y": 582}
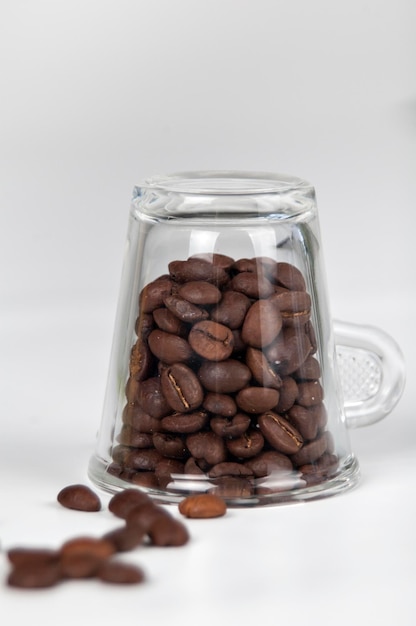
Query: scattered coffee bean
{"x": 79, "y": 497}
{"x": 203, "y": 506}
{"x": 120, "y": 573}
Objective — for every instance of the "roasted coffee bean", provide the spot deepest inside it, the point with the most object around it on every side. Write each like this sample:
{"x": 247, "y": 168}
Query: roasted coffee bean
{"x": 145, "y": 515}
{"x": 150, "y": 397}
{"x": 294, "y": 306}
{"x": 269, "y": 462}
{"x": 280, "y": 433}
{"x": 309, "y": 370}
{"x": 306, "y": 420}
{"x": 288, "y": 393}
{"x": 262, "y": 324}
{"x": 192, "y": 467}
{"x": 35, "y": 557}
{"x": 232, "y": 487}
{"x": 39, "y": 576}
{"x": 169, "y": 348}
{"x": 134, "y": 438}
{"x": 231, "y": 310}
{"x": 171, "y": 446}
{"x": 141, "y": 458}
{"x": 229, "y": 468}
{"x": 224, "y": 376}
{"x": 289, "y": 276}
{"x": 120, "y": 573}
{"x": 79, "y": 497}
{"x": 261, "y": 369}
{"x": 200, "y": 292}
{"x": 124, "y": 501}
{"x": 311, "y": 451}
{"x": 220, "y": 403}
{"x": 127, "y": 537}
{"x": 221, "y": 260}
{"x": 203, "y": 506}
{"x": 146, "y": 479}
{"x": 252, "y": 285}
{"x": 168, "y": 532}
{"x": 253, "y": 400}
{"x": 141, "y": 360}
{"x": 132, "y": 389}
{"x": 310, "y": 332}
{"x": 166, "y": 468}
{"x": 289, "y": 350}
{"x": 197, "y": 269}
{"x": 137, "y": 418}
{"x": 185, "y": 422}
{"x": 230, "y": 427}
{"x": 181, "y": 388}
{"x": 211, "y": 340}
{"x": 246, "y": 446}
{"x": 144, "y": 325}
{"x": 168, "y": 322}
{"x": 310, "y": 393}
{"x": 153, "y": 294}
{"x": 184, "y": 310}
{"x": 207, "y": 446}
{"x": 86, "y": 546}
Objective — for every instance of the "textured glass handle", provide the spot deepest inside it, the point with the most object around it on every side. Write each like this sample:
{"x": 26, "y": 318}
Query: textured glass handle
{"x": 372, "y": 372}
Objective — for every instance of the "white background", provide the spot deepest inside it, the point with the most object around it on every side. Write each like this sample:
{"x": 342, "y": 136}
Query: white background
{"x": 97, "y": 95}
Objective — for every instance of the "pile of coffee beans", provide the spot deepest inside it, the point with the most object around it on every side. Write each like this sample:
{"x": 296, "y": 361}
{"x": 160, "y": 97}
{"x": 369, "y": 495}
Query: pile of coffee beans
{"x": 224, "y": 380}
{"x": 84, "y": 557}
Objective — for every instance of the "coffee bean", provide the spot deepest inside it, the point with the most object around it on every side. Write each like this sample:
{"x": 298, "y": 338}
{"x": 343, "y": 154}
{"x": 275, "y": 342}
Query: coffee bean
{"x": 200, "y": 292}
{"x": 220, "y": 260}
{"x": 153, "y": 294}
{"x": 197, "y": 269}
{"x": 289, "y": 350}
{"x": 207, "y": 446}
{"x": 140, "y": 360}
{"x": 134, "y": 416}
{"x": 289, "y": 276}
{"x": 230, "y": 427}
{"x": 184, "y": 422}
{"x": 168, "y": 532}
{"x": 310, "y": 393}
{"x": 246, "y": 446}
{"x": 21, "y": 556}
{"x": 261, "y": 369}
{"x": 79, "y": 497}
{"x": 168, "y": 322}
{"x": 126, "y": 538}
{"x": 294, "y": 306}
{"x": 220, "y": 404}
{"x": 257, "y": 399}
{"x": 203, "y": 506}
{"x": 184, "y": 310}
{"x": 309, "y": 370}
{"x": 181, "y": 388}
{"x": 311, "y": 451}
{"x": 288, "y": 393}
{"x": 280, "y": 434}
{"x": 232, "y": 309}
{"x": 150, "y": 397}
{"x": 120, "y": 573}
{"x": 35, "y": 576}
{"x": 211, "y": 340}
{"x": 262, "y": 324}
{"x": 252, "y": 285}
{"x": 236, "y": 487}
{"x": 171, "y": 446}
{"x": 80, "y": 557}
{"x": 169, "y": 348}
{"x": 269, "y": 462}
{"x": 229, "y": 468}
{"x": 124, "y": 501}
{"x": 132, "y": 437}
{"x": 306, "y": 420}
{"x": 224, "y": 376}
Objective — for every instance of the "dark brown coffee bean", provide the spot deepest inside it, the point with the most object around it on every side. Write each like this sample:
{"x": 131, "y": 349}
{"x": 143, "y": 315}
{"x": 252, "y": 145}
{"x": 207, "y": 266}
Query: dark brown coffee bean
{"x": 169, "y": 348}
{"x": 221, "y": 260}
{"x": 269, "y": 462}
{"x": 288, "y": 393}
{"x": 200, "y": 292}
{"x": 141, "y": 360}
{"x": 202, "y": 506}
{"x": 246, "y": 265}
{"x": 252, "y": 285}
{"x": 141, "y": 459}
{"x": 311, "y": 451}
{"x": 257, "y": 399}
{"x": 294, "y": 306}
{"x": 146, "y": 479}
{"x": 132, "y": 389}
{"x": 137, "y": 418}
{"x": 168, "y": 532}
{"x": 211, "y": 340}
{"x": 79, "y": 497}
{"x": 207, "y": 446}
{"x": 233, "y": 487}
{"x": 184, "y": 310}
{"x": 230, "y": 427}
{"x": 35, "y": 576}
{"x": 126, "y": 538}
{"x": 145, "y": 515}
{"x": 262, "y": 324}
{"x": 280, "y": 433}
{"x": 289, "y": 350}
{"x": 131, "y": 437}
{"x": 86, "y": 546}
{"x": 305, "y": 420}
{"x": 224, "y": 376}
{"x": 124, "y": 501}
{"x": 309, "y": 370}
{"x": 150, "y": 397}
{"x": 166, "y": 468}
{"x": 220, "y": 403}
{"x": 120, "y": 573}
{"x": 246, "y": 446}
{"x": 192, "y": 467}
{"x": 80, "y": 565}
{"x": 310, "y": 393}
{"x": 20, "y": 556}
{"x": 197, "y": 269}
{"x": 290, "y": 277}
{"x": 144, "y": 325}
{"x": 231, "y": 310}
{"x": 239, "y": 344}
{"x": 185, "y": 422}
{"x": 171, "y": 446}
{"x": 310, "y": 332}
{"x": 181, "y": 388}
{"x": 261, "y": 369}
{"x": 168, "y": 322}
{"x": 229, "y": 468}
{"x": 153, "y": 294}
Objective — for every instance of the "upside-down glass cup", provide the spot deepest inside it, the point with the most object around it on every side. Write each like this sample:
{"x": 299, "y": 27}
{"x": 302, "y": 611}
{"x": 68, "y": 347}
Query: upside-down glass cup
{"x": 227, "y": 374}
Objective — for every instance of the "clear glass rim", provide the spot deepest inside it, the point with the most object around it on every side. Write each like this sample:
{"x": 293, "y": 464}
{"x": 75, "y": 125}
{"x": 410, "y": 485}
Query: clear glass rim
{"x": 226, "y": 183}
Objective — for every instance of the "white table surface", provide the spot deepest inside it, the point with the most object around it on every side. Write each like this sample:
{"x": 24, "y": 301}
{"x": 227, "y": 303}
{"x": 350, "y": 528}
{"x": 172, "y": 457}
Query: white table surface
{"x": 343, "y": 560}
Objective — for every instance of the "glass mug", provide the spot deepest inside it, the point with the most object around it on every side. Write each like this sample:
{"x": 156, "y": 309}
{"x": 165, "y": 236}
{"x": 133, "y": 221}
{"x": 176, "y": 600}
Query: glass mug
{"x": 227, "y": 374}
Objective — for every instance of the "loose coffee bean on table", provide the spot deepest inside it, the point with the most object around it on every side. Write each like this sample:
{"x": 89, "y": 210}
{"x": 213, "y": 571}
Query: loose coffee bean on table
{"x": 79, "y": 497}
{"x": 224, "y": 373}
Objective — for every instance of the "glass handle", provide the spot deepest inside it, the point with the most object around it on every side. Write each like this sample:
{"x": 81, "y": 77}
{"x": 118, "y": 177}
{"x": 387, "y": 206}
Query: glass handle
{"x": 372, "y": 372}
